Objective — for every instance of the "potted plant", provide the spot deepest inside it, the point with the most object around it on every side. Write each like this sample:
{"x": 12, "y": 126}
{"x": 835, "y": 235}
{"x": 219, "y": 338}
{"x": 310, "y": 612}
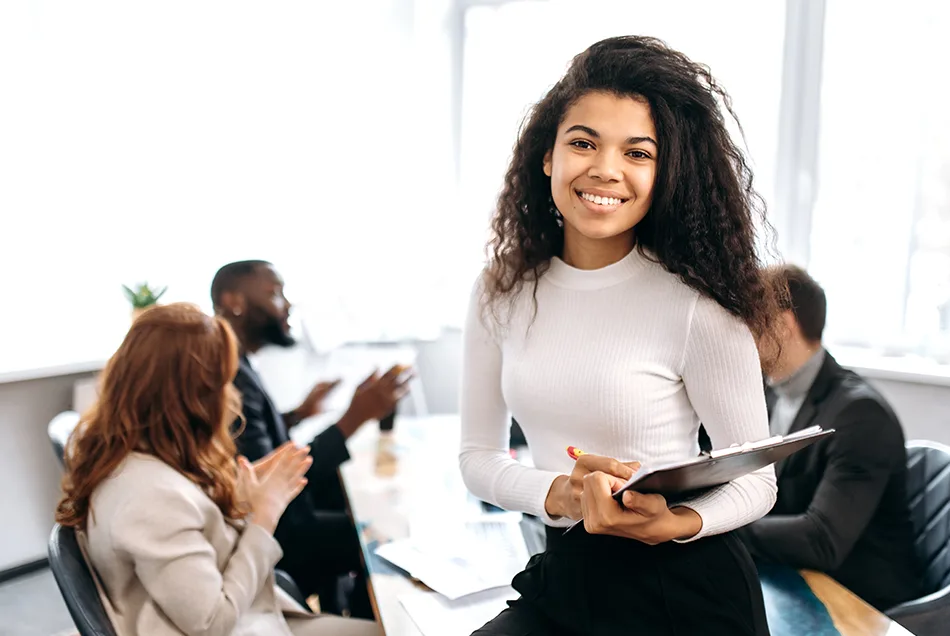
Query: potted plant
{"x": 142, "y": 296}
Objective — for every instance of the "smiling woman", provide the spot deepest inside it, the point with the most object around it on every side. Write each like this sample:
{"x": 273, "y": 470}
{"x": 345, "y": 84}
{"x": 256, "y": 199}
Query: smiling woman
{"x": 618, "y": 311}
{"x": 604, "y": 180}
{"x": 646, "y": 145}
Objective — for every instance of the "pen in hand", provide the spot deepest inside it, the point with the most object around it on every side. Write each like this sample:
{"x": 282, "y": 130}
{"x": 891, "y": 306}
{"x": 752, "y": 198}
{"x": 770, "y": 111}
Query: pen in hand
{"x": 574, "y": 452}
{"x": 613, "y": 467}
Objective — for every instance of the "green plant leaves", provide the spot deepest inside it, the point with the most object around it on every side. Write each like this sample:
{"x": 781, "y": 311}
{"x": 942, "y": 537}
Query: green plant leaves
{"x": 142, "y": 295}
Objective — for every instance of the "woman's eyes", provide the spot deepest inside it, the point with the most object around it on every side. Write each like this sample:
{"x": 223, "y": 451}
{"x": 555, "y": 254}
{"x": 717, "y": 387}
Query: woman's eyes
{"x": 583, "y": 144}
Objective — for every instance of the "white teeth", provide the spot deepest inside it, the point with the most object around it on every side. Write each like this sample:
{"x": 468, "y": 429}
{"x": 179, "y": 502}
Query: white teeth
{"x": 593, "y": 198}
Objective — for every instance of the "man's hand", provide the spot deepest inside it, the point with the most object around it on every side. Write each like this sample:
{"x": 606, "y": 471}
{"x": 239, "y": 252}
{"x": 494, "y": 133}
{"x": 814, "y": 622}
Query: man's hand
{"x": 312, "y": 404}
{"x": 375, "y": 398}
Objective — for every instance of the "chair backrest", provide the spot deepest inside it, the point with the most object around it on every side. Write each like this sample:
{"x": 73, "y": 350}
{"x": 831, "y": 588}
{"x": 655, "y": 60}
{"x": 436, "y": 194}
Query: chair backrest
{"x": 928, "y": 491}
{"x": 59, "y": 430}
{"x": 76, "y": 584}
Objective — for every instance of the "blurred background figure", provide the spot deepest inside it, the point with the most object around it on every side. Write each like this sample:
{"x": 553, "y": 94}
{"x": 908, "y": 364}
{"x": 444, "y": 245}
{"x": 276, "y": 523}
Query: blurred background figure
{"x": 842, "y": 503}
{"x": 319, "y": 540}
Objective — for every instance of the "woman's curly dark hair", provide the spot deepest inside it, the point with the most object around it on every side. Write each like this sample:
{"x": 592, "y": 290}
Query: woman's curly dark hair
{"x": 701, "y": 224}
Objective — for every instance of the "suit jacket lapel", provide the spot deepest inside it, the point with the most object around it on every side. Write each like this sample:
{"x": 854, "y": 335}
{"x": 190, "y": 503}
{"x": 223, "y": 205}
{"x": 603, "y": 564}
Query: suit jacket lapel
{"x": 276, "y": 418}
{"x": 820, "y": 388}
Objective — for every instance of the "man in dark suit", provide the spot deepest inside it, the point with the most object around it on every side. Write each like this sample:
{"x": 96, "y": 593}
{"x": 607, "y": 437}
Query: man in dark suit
{"x": 842, "y": 502}
{"x": 319, "y": 541}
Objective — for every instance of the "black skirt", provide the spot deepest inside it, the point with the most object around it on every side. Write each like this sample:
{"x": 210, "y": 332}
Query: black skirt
{"x": 592, "y": 584}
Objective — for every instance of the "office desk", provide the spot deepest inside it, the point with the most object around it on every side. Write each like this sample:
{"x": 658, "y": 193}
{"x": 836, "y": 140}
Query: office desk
{"x": 811, "y": 603}
{"x": 415, "y": 472}
{"x": 388, "y": 480}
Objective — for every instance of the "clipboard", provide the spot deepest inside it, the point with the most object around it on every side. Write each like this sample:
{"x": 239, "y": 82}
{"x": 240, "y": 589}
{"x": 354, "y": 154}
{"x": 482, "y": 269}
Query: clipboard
{"x": 719, "y": 466}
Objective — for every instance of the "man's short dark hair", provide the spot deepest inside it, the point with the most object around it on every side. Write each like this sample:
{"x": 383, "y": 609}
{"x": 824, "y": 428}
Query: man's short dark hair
{"x": 229, "y": 278}
{"x": 806, "y": 300}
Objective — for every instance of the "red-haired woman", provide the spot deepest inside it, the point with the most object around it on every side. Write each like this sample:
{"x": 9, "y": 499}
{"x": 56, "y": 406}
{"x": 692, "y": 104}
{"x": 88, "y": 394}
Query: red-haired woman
{"x": 179, "y": 533}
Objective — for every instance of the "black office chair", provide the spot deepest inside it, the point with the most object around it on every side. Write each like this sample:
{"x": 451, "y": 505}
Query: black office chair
{"x": 59, "y": 430}
{"x": 288, "y": 585}
{"x": 76, "y": 584}
{"x": 928, "y": 489}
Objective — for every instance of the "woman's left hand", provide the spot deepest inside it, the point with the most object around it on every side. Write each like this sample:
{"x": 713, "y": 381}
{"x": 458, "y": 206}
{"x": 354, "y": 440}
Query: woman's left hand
{"x": 646, "y": 518}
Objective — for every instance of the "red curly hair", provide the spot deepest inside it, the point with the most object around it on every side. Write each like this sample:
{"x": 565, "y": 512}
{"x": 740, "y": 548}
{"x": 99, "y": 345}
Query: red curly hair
{"x": 167, "y": 392}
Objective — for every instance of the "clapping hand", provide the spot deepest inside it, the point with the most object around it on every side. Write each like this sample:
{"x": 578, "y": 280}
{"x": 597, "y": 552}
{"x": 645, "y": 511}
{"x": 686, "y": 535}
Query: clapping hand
{"x": 375, "y": 398}
{"x": 270, "y": 484}
{"x": 313, "y": 403}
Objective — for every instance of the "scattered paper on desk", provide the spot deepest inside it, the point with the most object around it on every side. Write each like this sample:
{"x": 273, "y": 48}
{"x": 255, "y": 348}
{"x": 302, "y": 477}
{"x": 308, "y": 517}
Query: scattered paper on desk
{"x": 453, "y": 577}
{"x": 495, "y": 533}
{"x": 457, "y": 559}
{"x": 436, "y": 615}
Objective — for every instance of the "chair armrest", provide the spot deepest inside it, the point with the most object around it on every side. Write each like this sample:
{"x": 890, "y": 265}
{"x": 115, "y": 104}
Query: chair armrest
{"x": 287, "y": 584}
{"x": 926, "y": 615}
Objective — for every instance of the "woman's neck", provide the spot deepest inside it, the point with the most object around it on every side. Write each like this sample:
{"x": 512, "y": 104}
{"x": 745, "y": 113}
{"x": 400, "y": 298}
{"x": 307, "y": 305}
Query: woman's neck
{"x": 583, "y": 252}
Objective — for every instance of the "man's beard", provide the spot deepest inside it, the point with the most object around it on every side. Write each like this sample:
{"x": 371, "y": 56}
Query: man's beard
{"x": 268, "y": 329}
{"x": 273, "y": 333}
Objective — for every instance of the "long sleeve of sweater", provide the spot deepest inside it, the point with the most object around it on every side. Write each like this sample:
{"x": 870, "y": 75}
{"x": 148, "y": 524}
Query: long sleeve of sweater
{"x": 626, "y": 362}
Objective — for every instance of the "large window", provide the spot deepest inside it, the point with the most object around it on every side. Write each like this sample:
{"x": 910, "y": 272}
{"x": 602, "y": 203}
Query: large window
{"x": 880, "y": 226}
{"x": 868, "y": 212}
{"x": 157, "y": 141}
{"x": 361, "y": 146}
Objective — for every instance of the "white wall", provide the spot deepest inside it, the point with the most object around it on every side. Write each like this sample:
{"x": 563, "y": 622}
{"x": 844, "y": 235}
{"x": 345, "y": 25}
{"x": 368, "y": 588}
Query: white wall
{"x": 924, "y": 409}
{"x": 30, "y": 473}
{"x": 29, "y": 470}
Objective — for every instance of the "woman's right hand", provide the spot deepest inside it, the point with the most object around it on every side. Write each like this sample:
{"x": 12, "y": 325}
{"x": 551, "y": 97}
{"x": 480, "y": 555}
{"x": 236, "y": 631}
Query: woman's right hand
{"x": 564, "y": 497}
{"x": 272, "y": 483}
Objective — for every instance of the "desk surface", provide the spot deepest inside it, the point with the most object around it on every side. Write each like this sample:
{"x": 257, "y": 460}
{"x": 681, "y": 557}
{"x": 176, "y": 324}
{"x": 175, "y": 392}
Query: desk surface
{"x": 391, "y": 479}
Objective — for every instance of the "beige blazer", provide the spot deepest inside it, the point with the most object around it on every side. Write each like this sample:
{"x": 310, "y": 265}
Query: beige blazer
{"x": 169, "y": 562}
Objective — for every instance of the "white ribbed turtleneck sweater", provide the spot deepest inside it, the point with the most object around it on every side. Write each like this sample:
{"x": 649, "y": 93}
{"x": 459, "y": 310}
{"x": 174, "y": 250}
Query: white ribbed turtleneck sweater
{"x": 623, "y": 361}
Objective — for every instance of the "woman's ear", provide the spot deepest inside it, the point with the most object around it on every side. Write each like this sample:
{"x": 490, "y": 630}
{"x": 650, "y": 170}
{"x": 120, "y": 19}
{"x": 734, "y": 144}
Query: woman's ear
{"x": 547, "y": 163}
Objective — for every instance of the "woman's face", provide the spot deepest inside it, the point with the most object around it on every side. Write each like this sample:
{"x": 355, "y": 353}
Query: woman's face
{"x": 602, "y": 167}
